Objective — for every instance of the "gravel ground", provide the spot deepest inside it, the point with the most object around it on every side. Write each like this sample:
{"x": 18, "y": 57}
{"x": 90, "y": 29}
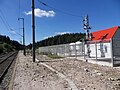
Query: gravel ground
{"x": 85, "y": 75}
{"x": 4, "y": 85}
{"x": 34, "y": 76}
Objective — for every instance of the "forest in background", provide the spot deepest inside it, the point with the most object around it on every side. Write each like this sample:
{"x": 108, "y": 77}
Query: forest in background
{"x": 59, "y": 39}
{"x": 7, "y": 45}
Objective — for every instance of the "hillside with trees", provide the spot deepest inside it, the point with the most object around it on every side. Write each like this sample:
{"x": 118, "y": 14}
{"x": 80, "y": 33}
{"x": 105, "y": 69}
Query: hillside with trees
{"x": 7, "y": 45}
{"x": 59, "y": 39}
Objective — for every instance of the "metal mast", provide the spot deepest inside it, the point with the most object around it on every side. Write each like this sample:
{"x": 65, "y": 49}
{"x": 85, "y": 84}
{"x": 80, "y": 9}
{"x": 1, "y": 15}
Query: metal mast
{"x": 33, "y": 31}
{"x": 23, "y": 36}
{"x": 86, "y": 28}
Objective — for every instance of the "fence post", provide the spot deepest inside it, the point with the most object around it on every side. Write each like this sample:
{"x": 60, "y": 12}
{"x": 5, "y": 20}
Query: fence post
{"x": 48, "y": 50}
{"x": 75, "y": 51}
{"x": 81, "y": 49}
{"x": 96, "y": 49}
{"x": 56, "y": 50}
{"x": 84, "y": 49}
{"x": 111, "y": 47}
{"x": 69, "y": 50}
{"x": 64, "y": 49}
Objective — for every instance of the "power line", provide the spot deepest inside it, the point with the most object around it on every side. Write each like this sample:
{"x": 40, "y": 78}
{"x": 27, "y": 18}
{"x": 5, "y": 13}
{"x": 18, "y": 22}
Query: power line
{"x": 59, "y": 10}
{"x": 4, "y": 22}
{"x": 16, "y": 32}
{"x": 7, "y": 24}
{"x": 4, "y": 18}
{"x": 19, "y": 9}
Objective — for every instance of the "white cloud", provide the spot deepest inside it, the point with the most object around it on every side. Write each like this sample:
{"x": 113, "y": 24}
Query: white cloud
{"x": 61, "y": 33}
{"x": 41, "y": 13}
{"x": 13, "y": 32}
{"x": 56, "y": 33}
{"x": 47, "y": 37}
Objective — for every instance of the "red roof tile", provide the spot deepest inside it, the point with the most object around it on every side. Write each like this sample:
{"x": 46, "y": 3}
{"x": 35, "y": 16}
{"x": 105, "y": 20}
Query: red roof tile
{"x": 104, "y": 35}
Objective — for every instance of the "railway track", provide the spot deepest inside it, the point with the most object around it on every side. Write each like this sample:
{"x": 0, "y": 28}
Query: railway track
{"x": 5, "y": 63}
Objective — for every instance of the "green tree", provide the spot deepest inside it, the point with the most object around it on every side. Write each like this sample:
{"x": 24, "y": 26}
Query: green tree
{"x": 60, "y": 39}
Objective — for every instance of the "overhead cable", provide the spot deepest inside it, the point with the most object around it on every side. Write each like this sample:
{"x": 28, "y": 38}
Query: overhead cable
{"x": 61, "y": 11}
{"x": 6, "y": 23}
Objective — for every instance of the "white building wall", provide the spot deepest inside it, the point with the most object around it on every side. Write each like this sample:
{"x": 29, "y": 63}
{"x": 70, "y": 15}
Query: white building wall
{"x": 108, "y": 53}
{"x": 103, "y": 50}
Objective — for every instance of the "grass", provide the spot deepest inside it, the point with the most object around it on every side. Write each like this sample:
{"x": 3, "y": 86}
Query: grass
{"x": 54, "y": 56}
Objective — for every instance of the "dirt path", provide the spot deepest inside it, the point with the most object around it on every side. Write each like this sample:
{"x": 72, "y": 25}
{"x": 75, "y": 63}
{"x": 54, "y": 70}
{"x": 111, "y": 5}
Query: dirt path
{"x": 85, "y": 75}
{"x": 70, "y": 82}
{"x": 35, "y": 76}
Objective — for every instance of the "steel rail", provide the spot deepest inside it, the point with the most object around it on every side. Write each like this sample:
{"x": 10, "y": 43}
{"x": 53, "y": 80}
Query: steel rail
{"x": 6, "y": 63}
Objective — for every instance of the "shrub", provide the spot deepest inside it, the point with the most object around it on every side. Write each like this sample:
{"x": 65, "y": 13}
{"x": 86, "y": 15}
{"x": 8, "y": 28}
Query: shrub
{"x": 1, "y": 48}
{"x": 7, "y": 47}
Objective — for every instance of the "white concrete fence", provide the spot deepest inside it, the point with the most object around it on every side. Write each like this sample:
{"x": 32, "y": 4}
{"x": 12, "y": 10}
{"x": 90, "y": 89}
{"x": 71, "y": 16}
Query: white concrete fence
{"x": 106, "y": 52}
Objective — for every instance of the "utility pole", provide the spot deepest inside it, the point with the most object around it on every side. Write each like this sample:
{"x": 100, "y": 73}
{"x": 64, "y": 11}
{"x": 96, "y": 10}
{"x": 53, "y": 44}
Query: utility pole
{"x": 24, "y": 52}
{"x": 86, "y": 28}
{"x": 33, "y": 31}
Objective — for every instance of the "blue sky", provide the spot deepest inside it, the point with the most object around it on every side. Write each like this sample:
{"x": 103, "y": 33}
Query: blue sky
{"x": 50, "y": 21}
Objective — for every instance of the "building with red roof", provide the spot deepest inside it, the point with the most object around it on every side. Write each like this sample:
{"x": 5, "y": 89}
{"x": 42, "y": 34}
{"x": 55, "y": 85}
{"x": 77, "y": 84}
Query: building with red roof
{"x": 105, "y": 44}
{"x": 104, "y": 35}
